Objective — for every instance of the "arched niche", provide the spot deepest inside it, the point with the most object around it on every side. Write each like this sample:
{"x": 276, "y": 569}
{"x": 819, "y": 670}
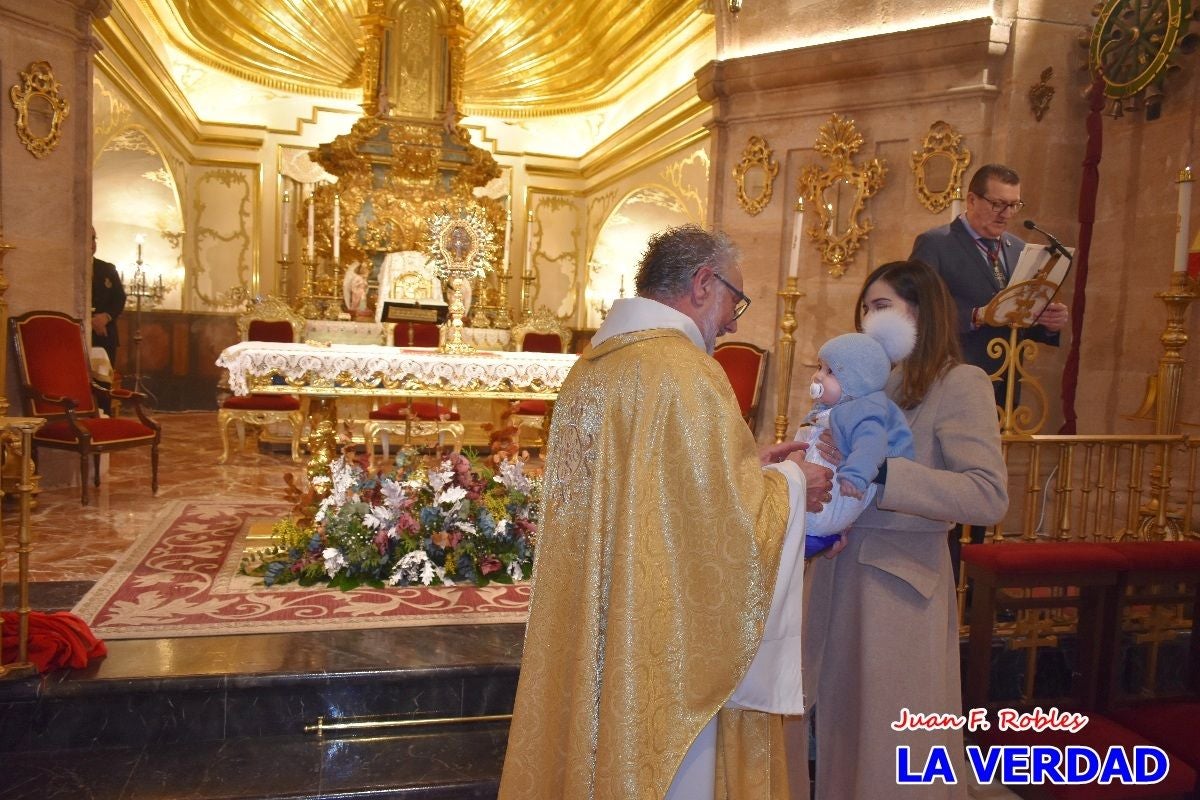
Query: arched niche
{"x": 619, "y": 244}
{"x": 134, "y": 194}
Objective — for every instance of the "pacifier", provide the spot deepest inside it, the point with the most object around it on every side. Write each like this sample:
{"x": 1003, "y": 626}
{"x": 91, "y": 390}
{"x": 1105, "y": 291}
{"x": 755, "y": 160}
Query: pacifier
{"x": 816, "y": 390}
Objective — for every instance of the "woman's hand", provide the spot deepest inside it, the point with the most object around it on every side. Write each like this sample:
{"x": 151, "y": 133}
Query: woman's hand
{"x": 827, "y": 448}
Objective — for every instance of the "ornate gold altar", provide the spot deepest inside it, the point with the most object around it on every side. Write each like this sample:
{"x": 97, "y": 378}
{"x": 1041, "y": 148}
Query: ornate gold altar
{"x": 406, "y": 160}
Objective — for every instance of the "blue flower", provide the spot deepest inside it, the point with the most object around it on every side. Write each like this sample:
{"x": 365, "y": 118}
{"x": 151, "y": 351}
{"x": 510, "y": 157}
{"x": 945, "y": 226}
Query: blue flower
{"x": 429, "y": 516}
{"x": 485, "y": 523}
{"x": 466, "y": 568}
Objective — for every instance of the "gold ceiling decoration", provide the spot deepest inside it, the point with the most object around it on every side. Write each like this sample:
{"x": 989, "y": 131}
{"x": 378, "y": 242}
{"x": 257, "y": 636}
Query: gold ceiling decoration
{"x": 522, "y": 59}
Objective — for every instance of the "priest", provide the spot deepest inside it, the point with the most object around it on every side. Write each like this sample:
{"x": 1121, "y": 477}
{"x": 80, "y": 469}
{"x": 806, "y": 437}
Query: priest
{"x": 664, "y": 630}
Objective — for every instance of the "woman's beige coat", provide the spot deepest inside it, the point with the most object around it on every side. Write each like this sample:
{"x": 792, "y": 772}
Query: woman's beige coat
{"x": 881, "y": 627}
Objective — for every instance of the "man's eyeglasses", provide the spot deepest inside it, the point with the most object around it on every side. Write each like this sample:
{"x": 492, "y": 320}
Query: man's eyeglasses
{"x": 999, "y": 206}
{"x": 743, "y": 302}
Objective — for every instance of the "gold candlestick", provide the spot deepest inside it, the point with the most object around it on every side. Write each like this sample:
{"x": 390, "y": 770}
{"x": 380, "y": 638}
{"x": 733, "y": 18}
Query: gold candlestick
{"x": 787, "y": 351}
{"x": 4, "y": 248}
{"x": 502, "y": 320}
{"x": 1174, "y": 338}
{"x": 527, "y": 294}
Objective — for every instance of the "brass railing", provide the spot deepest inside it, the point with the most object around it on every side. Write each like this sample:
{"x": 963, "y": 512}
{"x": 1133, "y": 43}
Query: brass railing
{"x": 1100, "y": 488}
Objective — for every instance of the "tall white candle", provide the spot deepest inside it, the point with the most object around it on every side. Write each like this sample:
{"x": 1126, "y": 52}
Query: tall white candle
{"x": 529, "y": 244}
{"x": 285, "y": 223}
{"x": 140, "y": 238}
{"x": 312, "y": 203}
{"x": 337, "y": 228}
{"x": 797, "y": 238}
{"x": 1185, "y": 211}
{"x": 956, "y": 203}
{"x": 507, "y": 234}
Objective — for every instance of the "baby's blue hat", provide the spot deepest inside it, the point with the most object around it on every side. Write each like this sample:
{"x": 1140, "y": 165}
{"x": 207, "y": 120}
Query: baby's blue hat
{"x": 862, "y": 361}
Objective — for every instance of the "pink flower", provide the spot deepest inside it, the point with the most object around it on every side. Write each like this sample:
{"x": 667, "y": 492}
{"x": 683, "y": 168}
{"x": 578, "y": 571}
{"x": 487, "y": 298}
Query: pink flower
{"x": 381, "y": 542}
{"x": 489, "y": 564}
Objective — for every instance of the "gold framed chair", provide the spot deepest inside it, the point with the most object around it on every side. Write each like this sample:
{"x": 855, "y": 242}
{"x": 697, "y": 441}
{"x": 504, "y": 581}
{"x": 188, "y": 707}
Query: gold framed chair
{"x": 267, "y": 320}
{"x": 54, "y": 370}
{"x": 541, "y": 332}
{"x": 408, "y": 418}
{"x": 745, "y": 365}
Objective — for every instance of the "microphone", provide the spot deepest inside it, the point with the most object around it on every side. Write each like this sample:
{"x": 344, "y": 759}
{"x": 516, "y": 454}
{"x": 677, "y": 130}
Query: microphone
{"x": 1055, "y": 244}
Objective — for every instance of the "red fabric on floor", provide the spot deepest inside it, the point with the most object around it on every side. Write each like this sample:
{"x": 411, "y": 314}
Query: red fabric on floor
{"x": 56, "y": 639}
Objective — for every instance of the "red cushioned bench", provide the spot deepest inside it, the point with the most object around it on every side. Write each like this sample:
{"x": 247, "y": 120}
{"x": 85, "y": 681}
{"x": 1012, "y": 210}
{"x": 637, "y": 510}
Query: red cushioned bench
{"x": 1092, "y": 569}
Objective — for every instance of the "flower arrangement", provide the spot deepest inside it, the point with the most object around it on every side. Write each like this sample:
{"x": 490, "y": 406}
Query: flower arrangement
{"x": 438, "y": 523}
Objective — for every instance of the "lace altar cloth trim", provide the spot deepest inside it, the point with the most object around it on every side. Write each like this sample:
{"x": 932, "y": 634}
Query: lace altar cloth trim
{"x": 376, "y": 367}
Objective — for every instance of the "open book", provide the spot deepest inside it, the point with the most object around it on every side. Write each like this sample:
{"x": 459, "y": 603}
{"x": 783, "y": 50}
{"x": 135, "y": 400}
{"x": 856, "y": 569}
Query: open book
{"x": 1034, "y": 259}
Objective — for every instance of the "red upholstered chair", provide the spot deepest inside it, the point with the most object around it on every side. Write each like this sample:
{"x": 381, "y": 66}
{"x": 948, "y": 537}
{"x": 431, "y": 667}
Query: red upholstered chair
{"x": 268, "y": 320}
{"x": 55, "y": 377}
{"x": 408, "y": 418}
{"x": 541, "y": 332}
{"x": 416, "y": 334}
{"x": 746, "y": 367}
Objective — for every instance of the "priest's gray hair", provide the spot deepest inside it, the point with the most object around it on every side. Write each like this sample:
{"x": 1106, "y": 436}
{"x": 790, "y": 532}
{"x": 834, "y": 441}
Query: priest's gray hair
{"x": 673, "y": 256}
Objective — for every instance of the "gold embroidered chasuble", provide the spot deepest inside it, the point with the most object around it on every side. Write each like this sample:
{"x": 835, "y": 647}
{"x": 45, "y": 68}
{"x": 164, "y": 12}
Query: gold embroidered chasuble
{"x": 656, "y": 560}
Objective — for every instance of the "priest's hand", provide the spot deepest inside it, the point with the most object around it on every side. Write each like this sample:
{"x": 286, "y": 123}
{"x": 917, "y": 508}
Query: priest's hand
{"x": 774, "y": 453}
{"x": 819, "y": 483}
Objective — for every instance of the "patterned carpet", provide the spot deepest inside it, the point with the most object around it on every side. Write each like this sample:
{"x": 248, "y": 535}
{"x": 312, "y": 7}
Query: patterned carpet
{"x": 180, "y": 578}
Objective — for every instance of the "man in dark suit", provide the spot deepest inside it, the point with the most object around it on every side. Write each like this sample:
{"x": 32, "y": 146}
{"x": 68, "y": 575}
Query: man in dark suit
{"x": 108, "y": 301}
{"x": 975, "y": 254}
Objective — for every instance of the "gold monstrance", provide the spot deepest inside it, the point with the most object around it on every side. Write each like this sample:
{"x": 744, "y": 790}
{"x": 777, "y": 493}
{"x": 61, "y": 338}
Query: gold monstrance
{"x": 461, "y": 248}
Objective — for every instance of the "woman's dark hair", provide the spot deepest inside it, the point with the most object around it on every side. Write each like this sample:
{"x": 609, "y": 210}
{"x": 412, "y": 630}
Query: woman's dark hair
{"x": 937, "y": 348}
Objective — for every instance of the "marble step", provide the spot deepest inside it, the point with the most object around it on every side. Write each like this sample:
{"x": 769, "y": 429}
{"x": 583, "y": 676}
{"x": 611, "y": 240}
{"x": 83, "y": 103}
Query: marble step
{"x": 440, "y": 763}
{"x": 236, "y": 688}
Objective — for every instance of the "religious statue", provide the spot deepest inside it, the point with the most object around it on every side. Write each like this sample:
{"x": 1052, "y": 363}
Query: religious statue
{"x": 354, "y": 289}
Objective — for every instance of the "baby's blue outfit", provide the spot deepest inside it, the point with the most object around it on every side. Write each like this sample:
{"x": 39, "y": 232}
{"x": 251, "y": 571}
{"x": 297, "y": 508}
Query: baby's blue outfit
{"x": 867, "y": 430}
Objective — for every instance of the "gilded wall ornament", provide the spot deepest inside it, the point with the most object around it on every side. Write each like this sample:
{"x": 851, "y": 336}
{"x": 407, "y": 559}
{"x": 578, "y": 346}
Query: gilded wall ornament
{"x": 40, "y": 109}
{"x": 839, "y": 193}
{"x": 939, "y": 165}
{"x": 755, "y": 176}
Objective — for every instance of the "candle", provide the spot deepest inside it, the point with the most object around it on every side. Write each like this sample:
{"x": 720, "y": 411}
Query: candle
{"x": 507, "y": 232}
{"x": 337, "y": 227}
{"x": 1185, "y": 211}
{"x": 529, "y": 245}
{"x": 283, "y": 228}
{"x": 312, "y": 202}
{"x": 622, "y": 292}
{"x": 797, "y": 236}
{"x": 956, "y": 203}
{"x": 139, "y": 239}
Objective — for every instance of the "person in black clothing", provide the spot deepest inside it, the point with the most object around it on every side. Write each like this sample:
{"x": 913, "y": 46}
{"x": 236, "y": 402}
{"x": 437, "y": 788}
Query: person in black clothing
{"x": 108, "y": 301}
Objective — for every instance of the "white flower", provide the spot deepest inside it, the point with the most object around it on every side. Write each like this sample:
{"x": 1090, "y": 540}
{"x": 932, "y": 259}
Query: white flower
{"x": 377, "y": 517}
{"x": 512, "y": 475}
{"x": 464, "y": 526}
{"x": 440, "y": 478}
{"x": 334, "y": 561}
{"x": 452, "y": 495}
{"x": 416, "y": 566}
{"x": 393, "y": 493}
{"x": 502, "y": 527}
{"x": 514, "y": 570}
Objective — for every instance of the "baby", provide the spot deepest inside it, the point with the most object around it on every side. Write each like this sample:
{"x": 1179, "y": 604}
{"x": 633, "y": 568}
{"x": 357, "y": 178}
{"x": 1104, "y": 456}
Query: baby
{"x": 867, "y": 427}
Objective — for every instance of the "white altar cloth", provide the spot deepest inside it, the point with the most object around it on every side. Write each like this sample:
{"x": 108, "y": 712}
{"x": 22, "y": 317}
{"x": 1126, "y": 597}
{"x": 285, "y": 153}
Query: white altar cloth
{"x": 392, "y": 371}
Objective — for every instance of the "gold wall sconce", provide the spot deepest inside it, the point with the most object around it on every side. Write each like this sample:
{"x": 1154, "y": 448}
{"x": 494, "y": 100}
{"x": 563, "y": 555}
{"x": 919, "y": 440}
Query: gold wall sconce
{"x": 755, "y": 176}
{"x": 939, "y": 165}
{"x": 839, "y": 193}
{"x": 40, "y": 109}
